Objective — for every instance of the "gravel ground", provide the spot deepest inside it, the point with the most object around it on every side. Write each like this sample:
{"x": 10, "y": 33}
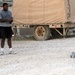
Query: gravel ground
{"x": 51, "y": 57}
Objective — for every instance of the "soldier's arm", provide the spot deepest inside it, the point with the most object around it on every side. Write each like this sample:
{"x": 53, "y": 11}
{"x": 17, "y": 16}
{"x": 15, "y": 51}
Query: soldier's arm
{"x": 3, "y": 20}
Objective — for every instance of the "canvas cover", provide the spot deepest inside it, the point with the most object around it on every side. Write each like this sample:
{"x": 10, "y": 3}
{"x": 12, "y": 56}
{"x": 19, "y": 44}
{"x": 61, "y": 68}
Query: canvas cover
{"x": 72, "y": 10}
{"x": 40, "y": 11}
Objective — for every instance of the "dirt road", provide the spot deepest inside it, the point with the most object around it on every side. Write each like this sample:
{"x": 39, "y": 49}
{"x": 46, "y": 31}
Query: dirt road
{"x": 50, "y": 57}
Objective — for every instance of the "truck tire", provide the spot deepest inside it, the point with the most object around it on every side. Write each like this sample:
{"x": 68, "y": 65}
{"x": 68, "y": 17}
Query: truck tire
{"x": 41, "y": 33}
{"x": 56, "y": 34}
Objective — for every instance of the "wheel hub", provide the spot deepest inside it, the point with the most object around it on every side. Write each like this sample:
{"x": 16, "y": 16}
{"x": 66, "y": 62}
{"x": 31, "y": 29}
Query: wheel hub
{"x": 40, "y": 31}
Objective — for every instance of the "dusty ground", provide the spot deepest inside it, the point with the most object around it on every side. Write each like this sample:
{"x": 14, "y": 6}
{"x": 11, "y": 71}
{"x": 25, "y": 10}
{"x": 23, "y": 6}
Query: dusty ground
{"x": 51, "y": 57}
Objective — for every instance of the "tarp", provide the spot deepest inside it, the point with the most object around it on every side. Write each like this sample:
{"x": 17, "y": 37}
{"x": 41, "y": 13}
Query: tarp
{"x": 40, "y": 11}
{"x": 72, "y": 10}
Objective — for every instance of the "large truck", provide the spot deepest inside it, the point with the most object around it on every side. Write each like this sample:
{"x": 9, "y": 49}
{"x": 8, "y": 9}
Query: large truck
{"x": 47, "y": 17}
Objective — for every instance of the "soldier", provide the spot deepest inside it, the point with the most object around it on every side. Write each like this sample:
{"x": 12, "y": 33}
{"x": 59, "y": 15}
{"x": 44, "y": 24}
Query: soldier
{"x": 5, "y": 28}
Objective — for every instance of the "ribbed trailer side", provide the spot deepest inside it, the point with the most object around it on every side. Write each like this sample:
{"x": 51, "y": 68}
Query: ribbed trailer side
{"x": 20, "y": 11}
{"x": 39, "y": 11}
{"x": 72, "y": 10}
